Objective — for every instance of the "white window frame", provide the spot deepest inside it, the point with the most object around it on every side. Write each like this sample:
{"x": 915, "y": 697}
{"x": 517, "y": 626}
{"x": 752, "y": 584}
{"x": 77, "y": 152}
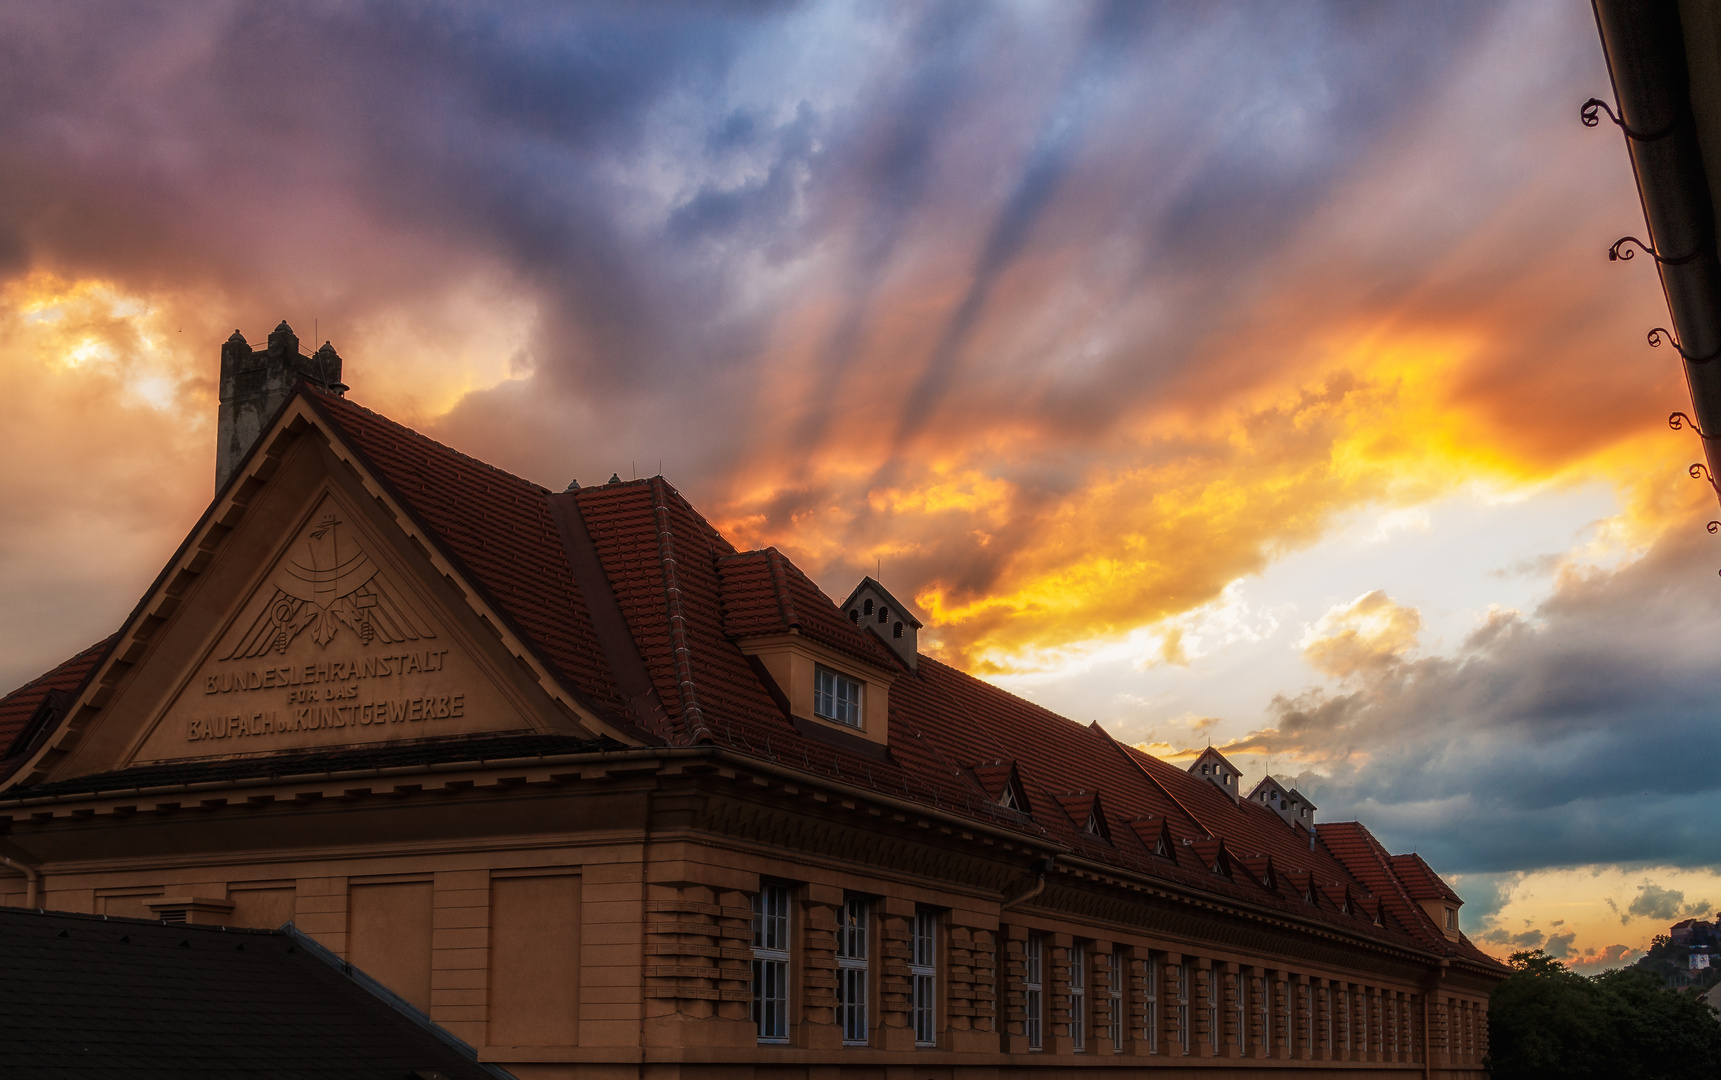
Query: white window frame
{"x": 1306, "y": 1002}
{"x": 1327, "y": 1019}
{"x": 1183, "y": 1006}
{"x": 1264, "y": 1008}
{"x": 1034, "y": 991}
{"x": 1281, "y": 991}
{"x": 1239, "y": 1004}
{"x": 1214, "y": 1034}
{"x": 771, "y": 939}
{"x": 1114, "y": 995}
{"x": 923, "y": 972}
{"x": 1150, "y": 1005}
{"x": 854, "y": 921}
{"x": 1078, "y": 996}
{"x": 830, "y": 704}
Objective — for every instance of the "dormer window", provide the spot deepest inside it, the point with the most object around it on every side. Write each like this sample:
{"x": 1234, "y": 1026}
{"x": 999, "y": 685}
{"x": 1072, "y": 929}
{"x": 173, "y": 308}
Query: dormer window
{"x": 836, "y": 697}
{"x": 1093, "y": 825}
{"x": 1451, "y": 919}
{"x": 1008, "y": 799}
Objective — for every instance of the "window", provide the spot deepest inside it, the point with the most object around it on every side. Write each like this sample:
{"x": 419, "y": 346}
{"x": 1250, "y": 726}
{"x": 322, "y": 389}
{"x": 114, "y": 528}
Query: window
{"x": 854, "y": 615}
{"x": 852, "y": 971}
{"x": 1008, "y": 799}
{"x": 883, "y": 614}
{"x": 1305, "y": 1006}
{"x": 1451, "y": 919}
{"x": 1282, "y": 1000}
{"x": 1234, "y": 987}
{"x": 923, "y": 968}
{"x": 1263, "y": 1013}
{"x": 771, "y": 963}
{"x": 1326, "y": 1018}
{"x": 868, "y": 606}
{"x": 1151, "y": 1002}
{"x": 1078, "y": 997}
{"x": 1033, "y": 997}
{"x": 1183, "y": 1007}
{"x": 896, "y": 630}
{"x": 836, "y": 697}
{"x": 1213, "y": 1033}
{"x": 1114, "y": 994}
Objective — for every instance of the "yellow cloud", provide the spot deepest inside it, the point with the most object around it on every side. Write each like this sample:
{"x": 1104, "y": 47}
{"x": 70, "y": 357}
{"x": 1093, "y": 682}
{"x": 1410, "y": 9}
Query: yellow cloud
{"x": 1365, "y": 635}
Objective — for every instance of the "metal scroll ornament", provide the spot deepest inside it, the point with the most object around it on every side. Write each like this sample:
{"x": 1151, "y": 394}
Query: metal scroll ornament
{"x": 1678, "y": 421}
{"x": 1590, "y": 114}
{"x": 1620, "y": 253}
{"x": 1662, "y": 333}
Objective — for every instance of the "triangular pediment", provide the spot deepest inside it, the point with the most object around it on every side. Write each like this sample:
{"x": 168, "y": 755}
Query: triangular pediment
{"x": 340, "y": 642}
{"x": 306, "y": 612}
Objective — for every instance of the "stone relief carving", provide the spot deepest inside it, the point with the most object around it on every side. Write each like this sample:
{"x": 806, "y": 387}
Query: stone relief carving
{"x": 327, "y": 581}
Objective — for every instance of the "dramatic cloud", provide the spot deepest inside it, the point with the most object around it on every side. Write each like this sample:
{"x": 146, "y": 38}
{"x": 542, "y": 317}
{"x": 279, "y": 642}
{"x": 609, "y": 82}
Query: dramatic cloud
{"x": 1072, "y": 317}
{"x": 1578, "y": 733}
{"x": 1655, "y": 902}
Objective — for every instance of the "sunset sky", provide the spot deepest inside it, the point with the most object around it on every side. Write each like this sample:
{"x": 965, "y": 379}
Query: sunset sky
{"x": 1244, "y": 373}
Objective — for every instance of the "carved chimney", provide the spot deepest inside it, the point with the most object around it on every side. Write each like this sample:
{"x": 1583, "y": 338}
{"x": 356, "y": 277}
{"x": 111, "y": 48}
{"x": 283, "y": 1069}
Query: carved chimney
{"x": 255, "y": 383}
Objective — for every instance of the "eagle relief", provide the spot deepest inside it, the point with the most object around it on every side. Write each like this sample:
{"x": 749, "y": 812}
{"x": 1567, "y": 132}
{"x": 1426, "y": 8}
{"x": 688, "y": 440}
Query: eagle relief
{"x": 328, "y": 650}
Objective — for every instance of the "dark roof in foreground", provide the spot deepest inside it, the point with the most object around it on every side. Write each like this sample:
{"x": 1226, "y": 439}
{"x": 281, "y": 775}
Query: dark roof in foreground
{"x": 683, "y": 595}
{"x": 88, "y": 996}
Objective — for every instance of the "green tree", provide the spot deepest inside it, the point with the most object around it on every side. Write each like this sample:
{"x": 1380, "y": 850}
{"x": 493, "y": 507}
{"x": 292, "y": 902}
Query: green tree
{"x": 1548, "y": 1023}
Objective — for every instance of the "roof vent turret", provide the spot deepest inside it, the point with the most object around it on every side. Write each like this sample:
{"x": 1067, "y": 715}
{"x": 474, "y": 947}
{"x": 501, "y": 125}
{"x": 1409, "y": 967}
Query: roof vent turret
{"x": 872, "y": 607}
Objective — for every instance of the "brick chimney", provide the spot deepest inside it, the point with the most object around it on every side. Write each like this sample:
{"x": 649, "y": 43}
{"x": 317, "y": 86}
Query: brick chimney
{"x": 255, "y": 382}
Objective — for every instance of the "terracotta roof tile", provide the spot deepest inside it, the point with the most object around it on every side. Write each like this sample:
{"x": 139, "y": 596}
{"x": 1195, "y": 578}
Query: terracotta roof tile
{"x": 498, "y": 529}
{"x": 20, "y": 705}
{"x": 765, "y": 593}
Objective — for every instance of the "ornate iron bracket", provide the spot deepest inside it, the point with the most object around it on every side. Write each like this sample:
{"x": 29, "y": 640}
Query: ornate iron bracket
{"x": 1700, "y": 471}
{"x": 1591, "y": 111}
{"x": 1714, "y": 527}
{"x": 1661, "y": 332}
{"x": 1679, "y": 420}
{"x": 1619, "y": 252}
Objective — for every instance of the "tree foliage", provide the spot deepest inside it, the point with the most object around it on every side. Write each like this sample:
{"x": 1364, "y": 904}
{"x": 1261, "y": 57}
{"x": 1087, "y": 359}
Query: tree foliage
{"x": 1548, "y": 1023}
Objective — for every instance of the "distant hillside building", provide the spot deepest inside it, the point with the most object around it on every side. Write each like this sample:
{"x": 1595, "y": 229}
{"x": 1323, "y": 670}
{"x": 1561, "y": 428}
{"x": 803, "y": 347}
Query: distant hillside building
{"x": 599, "y": 793}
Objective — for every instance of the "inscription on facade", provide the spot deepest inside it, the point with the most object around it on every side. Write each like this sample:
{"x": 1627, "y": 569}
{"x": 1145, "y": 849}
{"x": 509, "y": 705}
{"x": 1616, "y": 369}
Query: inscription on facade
{"x": 329, "y": 651}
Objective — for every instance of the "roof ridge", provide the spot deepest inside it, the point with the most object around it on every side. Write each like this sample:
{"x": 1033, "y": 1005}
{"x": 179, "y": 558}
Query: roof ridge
{"x": 417, "y": 434}
{"x": 780, "y": 585}
{"x": 691, "y": 714}
{"x": 1142, "y": 769}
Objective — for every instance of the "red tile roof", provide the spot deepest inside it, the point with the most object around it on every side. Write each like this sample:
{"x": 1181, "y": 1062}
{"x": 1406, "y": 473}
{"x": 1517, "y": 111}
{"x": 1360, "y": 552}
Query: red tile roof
{"x": 20, "y": 705}
{"x": 684, "y": 595}
{"x": 1420, "y": 880}
{"x": 1357, "y": 848}
{"x": 765, "y": 593}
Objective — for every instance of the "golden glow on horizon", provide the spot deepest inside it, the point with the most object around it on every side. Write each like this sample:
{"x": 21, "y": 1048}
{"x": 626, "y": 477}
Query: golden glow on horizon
{"x": 1192, "y": 502}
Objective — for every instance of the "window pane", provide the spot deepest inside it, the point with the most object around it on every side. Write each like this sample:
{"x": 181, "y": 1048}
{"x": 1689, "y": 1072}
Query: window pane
{"x": 1033, "y": 1001}
{"x": 923, "y": 967}
{"x": 836, "y": 697}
